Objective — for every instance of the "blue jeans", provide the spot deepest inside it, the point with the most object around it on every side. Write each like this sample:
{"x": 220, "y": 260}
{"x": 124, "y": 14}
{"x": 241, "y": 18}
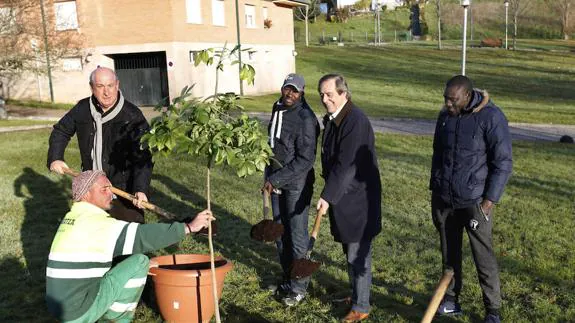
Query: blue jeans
{"x": 358, "y": 255}
{"x": 291, "y": 208}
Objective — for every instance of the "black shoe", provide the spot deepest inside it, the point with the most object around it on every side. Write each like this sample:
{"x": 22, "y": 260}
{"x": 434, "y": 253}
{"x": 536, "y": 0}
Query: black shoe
{"x": 449, "y": 307}
{"x": 492, "y": 318}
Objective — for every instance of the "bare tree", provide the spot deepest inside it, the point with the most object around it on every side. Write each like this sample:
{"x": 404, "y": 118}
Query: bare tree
{"x": 438, "y": 13}
{"x": 518, "y": 8}
{"x": 312, "y": 12}
{"x": 563, "y": 9}
{"x": 22, "y": 47}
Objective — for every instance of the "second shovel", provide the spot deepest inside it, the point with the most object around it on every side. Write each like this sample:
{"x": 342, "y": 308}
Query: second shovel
{"x": 305, "y": 267}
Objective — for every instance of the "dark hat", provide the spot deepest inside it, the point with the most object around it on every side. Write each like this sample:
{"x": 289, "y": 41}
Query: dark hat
{"x": 294, "y": 80}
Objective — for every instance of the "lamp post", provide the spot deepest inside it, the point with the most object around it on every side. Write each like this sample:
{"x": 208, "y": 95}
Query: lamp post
{"x": 506, "y": 15}
{"x": 465, "y": 4}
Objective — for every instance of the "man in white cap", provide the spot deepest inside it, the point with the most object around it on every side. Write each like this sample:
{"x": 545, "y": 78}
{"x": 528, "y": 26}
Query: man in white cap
{"x": 109, "y": 129}
{"x": 81, "y": 284}
{"x": 293, "y": 132}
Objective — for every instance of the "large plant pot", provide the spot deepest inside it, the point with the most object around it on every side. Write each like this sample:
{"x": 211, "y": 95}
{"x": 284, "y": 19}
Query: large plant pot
{"x": 183, "y": 286}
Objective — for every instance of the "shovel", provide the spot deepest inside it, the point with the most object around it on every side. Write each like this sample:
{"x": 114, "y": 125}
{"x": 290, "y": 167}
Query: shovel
{"x": 305, "y": 267}
{"x": 437, "y": 296}
{"x": 149, "y": 206}
{"x": 266, "y": 229}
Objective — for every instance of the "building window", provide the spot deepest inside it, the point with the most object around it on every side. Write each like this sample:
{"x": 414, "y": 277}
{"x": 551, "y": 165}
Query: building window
{"x": 194, "y": 11}
{"x": 218, "y": 13}
{"x": 265, "y": 13}
{"x": 70, "y": 64}
{"x": 250, "y": 12}
{"x": 66, "y": 16}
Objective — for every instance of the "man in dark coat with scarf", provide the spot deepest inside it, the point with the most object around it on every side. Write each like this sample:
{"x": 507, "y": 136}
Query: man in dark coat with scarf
{"x": 293, "y": 132}
{"x": 109, "y": 129}
{"x": 471, "y": 164}
{"x": 352, "y": 192}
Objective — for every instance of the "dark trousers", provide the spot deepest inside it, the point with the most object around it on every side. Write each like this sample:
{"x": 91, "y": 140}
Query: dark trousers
{"x": 125, "y": 210}
{"x": 450, "y": 224}
{"x": 291, "y": 208}
{"x": 358, "y": 257}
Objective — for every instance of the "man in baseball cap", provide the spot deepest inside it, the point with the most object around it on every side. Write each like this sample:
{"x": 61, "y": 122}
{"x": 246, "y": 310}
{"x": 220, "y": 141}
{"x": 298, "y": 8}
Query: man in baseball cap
{"x": 296, "y": 81}
{"x": 293, "y": 132}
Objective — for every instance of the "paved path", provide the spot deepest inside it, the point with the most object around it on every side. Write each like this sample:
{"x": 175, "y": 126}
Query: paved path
{"x": 519, "y": 131}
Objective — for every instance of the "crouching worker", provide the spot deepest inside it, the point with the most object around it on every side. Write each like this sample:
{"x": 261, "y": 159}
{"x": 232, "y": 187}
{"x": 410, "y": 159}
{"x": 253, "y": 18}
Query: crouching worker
{"x": 81, "y": 284}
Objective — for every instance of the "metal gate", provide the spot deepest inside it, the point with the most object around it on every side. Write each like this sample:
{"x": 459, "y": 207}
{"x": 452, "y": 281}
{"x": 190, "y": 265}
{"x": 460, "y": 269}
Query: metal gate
{"x": 143, "y": 77}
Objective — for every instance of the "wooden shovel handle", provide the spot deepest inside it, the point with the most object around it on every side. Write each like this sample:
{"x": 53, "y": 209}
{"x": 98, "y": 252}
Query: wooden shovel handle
{"x": 266, "y": 199}
{"x": 437, "y": 296}
{"x": 156, "y": 209}
{"x": 316, "y": 224}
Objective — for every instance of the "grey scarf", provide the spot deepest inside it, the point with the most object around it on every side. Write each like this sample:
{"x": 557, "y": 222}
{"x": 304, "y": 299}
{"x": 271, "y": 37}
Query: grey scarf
{"x": 99, "y": 121}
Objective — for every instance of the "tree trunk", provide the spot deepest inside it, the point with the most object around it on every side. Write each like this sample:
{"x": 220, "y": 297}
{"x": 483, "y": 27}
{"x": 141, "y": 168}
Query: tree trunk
{"x": 514, "y": 31}
{"x": 438, "y": 3}
{"x": 211, "y": 245}
{"x": 566, "y": 21}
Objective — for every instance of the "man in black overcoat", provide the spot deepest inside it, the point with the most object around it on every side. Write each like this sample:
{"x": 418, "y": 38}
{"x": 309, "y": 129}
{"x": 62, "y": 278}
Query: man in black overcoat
{"x": 352, "y": 192}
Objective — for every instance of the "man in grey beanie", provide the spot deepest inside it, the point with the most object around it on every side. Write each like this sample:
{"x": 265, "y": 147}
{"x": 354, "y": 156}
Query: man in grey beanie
{"x": 82, "y": 283}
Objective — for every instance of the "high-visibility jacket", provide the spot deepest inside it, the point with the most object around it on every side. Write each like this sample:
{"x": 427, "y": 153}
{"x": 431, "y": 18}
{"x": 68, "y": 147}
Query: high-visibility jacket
{"x": 82, "y": 251}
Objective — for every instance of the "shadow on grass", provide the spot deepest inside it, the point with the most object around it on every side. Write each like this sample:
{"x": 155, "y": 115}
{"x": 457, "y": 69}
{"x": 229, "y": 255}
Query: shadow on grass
{"x": 45, "y": 205}
{"x": 22, "y": 299}
{"x": 234, "y": 243}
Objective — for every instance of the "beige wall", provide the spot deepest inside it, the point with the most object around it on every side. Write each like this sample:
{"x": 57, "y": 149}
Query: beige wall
{"x": 112, "y": 22}
{"x": 271, "y": 62}
{"x": 130, "y": 26}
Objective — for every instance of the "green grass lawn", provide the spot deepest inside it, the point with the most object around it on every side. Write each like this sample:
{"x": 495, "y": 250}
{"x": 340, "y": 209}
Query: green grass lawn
{"x": 18, "y": 123}
{"x": 407, "y": 79}
{"x": 40, "y": 104}
{"x": 533, "y": 236}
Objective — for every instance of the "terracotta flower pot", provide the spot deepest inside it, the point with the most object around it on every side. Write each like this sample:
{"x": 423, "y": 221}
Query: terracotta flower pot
{"x": 183, "y": 286}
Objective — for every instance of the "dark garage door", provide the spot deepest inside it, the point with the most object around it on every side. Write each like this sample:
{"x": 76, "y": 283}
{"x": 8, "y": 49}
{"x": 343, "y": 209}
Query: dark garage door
{"x": 143, "y": 77}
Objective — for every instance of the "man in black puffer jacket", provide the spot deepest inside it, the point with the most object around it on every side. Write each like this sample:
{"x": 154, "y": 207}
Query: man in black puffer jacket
{"x": 470, "y": 168}
{"x": 109, "y": 129}
{"x": 293, "y": 132}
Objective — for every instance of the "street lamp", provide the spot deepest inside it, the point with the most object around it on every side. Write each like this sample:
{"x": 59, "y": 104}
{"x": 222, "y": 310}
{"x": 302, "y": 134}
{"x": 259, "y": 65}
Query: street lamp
{"x": 465, "y": 4}
{"x": 506, "y": 14}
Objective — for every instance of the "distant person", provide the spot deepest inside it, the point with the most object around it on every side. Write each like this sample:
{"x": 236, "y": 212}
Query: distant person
{"x": 470, "y": 168}
{"x": 293, "y": 132}
{"x": 352, "y": 191}
{"x": 109, "y": 129}
{"x": 82, "y": 285}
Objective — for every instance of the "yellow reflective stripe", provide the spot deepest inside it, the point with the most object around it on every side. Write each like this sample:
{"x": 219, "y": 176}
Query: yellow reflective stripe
{"x": 135, "y": 283}
{"x": 79, "y": 257}
{"x": 130, "y": 239}
{"x": 76, "y": 273}
{"x": 123, "y": 307}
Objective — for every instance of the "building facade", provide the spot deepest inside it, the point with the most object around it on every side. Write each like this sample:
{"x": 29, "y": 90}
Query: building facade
{"x": 151, "y": 45}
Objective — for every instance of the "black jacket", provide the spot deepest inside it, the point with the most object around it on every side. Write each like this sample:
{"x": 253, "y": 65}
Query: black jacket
{"x": 127, "y": 166}
{"x": 351, "y": 173}
{"x": 472, "y": 156}
{"x": 294, "y": 145}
